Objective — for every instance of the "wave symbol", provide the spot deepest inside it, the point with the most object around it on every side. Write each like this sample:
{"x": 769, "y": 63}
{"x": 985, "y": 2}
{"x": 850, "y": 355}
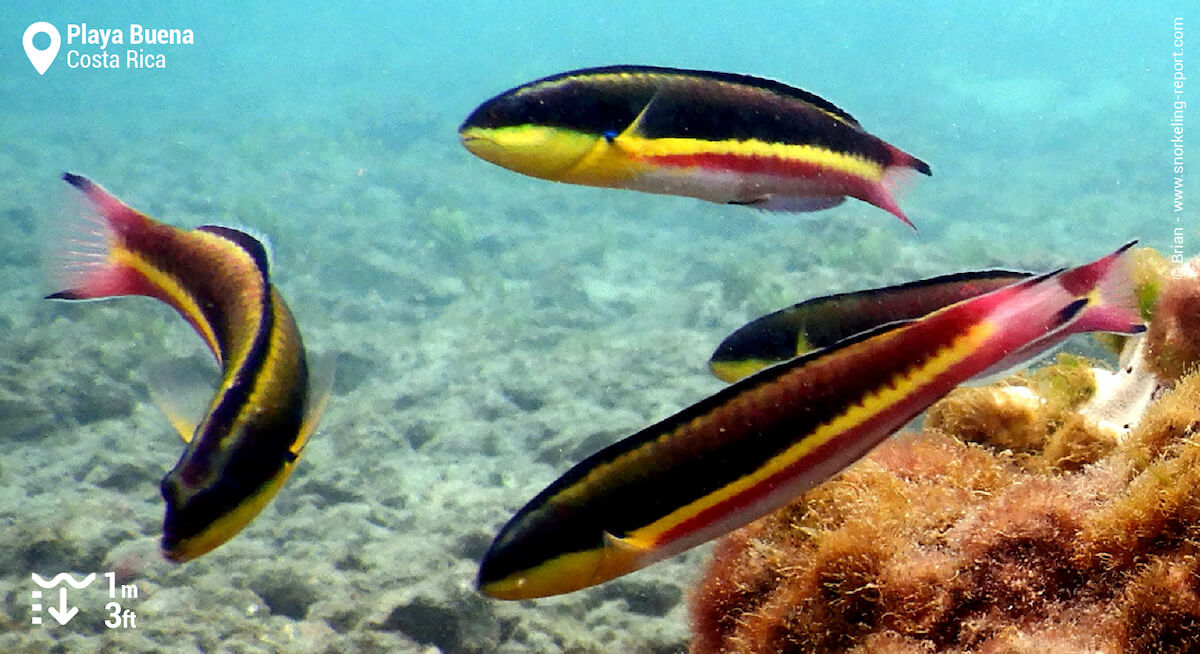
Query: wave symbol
{"x": 61, "y": 577}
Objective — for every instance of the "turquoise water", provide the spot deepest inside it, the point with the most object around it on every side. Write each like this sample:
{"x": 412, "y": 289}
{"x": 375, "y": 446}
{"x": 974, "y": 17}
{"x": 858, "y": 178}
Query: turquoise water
{"x": 491, "y": 329}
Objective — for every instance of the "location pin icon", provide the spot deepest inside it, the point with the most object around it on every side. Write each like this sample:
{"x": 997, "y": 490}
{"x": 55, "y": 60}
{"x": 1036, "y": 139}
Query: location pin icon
{"x": 41, "y": 59}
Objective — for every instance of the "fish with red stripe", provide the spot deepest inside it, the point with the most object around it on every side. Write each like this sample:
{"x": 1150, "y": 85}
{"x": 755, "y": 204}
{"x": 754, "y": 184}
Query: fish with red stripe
{"x": 762, "y": 441}
{"x": 267, "y": 402}
{"x": 720, "y": 137}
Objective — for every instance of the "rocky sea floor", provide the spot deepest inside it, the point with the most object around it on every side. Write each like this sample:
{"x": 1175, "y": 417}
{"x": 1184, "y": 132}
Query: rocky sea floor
{"x": 490, "y": 330}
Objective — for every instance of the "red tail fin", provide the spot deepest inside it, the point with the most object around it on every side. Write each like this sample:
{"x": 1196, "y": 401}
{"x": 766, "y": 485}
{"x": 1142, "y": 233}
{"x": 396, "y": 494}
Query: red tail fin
{"x": 85, "y": 258}
{"x": 895, "y": 178}
{"x": 1112, "y": 302}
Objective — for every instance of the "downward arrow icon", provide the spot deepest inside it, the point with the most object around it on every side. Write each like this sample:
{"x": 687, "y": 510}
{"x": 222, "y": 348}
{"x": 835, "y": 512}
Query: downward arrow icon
{"x": 61, "y": 613}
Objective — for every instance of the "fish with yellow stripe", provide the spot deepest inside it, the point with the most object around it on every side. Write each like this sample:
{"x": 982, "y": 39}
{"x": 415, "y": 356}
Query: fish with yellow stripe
{"x": 254, "y": 429}
{"x": 721, "y": 137}
{"x": 759, "y": 443}
{"x": 823, "y": 321}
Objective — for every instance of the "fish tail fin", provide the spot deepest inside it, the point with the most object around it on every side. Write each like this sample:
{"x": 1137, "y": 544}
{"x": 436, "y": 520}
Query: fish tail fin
{"x": 883, "y": 193}
{"x": 1097, "y": 296}
{"x": 1112, "y": 298}
{"x": 896, "y": 177}
{"x": 81, "y": 250}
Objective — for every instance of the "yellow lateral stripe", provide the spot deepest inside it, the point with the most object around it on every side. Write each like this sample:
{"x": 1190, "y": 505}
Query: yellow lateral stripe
{"x": 855, "y": 415}
{"x": 170, "y": 286}
{"x": 277, "y": 374}
{"x": 237, "y": 308}
{"x": 599, "y": 475}
{"x": 600, "y": 166}
{"x": 666, "y": 147}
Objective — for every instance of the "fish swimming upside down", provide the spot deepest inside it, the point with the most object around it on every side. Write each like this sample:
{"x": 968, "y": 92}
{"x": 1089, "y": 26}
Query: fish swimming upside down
{"x": 759, "y": 443}
{"x": 268, "y": 401}
{"x": 720, "y": 137}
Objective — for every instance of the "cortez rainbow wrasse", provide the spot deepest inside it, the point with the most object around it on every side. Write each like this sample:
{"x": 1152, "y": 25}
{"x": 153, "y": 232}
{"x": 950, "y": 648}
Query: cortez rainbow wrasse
{"x": 721, "y": 137}
{"x": 821, "y": 322}
{"x": 266, "y": 404}
{"x": 760, "y": 442}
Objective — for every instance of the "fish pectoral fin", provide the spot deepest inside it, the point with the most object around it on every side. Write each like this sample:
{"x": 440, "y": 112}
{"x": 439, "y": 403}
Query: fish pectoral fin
{"x": 320, "y": 384}
{"x": 628, "y": 545}
{"x": 634, "y": 129}
{"x": 622, "y": 555}
{"x": 182, "y": 394}
{"x": 662, "y": 100}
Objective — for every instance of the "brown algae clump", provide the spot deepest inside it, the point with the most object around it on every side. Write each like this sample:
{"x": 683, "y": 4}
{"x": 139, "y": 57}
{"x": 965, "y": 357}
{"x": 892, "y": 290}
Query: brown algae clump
{"x": 1173, "y": 339}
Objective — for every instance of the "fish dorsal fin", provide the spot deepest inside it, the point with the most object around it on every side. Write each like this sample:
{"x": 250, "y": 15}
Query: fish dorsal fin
{"x": 320, "y": 384}
{"x": 182, "y": 393}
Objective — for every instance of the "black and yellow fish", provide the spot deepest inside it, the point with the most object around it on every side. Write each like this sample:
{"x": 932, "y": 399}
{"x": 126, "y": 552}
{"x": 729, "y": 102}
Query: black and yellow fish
{"x": 267, "y": 402}
{"x": 823, "y": 321}
{"x": 720, "y": 137}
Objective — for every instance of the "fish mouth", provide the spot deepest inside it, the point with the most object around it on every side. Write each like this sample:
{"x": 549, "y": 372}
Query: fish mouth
{"x": 472, "y": 134}
{"x": 482, "y": 147}
{"x": 472, "y": 141}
